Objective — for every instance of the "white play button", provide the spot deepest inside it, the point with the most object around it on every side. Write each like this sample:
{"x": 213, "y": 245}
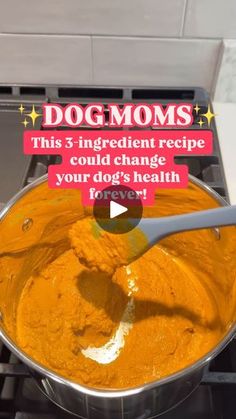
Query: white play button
{"x": 115, "y": 216}
{"x": 116, "y": 209}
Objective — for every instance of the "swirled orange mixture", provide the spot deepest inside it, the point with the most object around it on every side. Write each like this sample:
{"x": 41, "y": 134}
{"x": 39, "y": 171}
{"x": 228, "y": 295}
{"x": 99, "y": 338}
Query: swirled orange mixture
{"x": 101, "y": 251}
{"x": 149, "y": 320}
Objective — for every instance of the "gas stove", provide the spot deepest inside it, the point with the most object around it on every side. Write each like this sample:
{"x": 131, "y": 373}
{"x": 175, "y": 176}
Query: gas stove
{"x": 19, "y": 396}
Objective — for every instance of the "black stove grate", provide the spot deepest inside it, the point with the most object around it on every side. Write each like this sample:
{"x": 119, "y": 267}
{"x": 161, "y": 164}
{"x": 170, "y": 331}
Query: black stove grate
{"x": 214, "y": 399}
{"x": 19, "y": 396}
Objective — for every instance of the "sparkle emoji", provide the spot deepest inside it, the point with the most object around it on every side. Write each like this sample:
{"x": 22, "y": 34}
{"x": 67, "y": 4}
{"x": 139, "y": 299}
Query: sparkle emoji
{"x": 196, "y": 108}
{"x": 21, "y": 109}
{"x": 201, "y": 122}
{"x": 208, "y": 115}
{"x": 25, "y": 122}
{"x": 33, "y": 115}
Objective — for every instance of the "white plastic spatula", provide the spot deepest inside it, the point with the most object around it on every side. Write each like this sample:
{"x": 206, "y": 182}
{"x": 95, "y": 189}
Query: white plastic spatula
{"x": 156, "y": 229}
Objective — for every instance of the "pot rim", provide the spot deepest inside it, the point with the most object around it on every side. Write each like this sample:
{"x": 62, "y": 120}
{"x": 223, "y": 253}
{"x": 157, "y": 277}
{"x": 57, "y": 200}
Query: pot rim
{"x": 34, "y": 365}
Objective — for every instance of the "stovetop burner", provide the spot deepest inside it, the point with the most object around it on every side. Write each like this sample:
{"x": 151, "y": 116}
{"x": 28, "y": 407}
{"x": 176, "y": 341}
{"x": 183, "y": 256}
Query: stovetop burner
{"x": 19, "y": 396}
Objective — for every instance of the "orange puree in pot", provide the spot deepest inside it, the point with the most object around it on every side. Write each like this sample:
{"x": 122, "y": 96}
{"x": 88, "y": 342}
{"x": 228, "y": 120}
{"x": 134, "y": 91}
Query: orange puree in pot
{"x": 101, "y": 251}
{"x": 67, "y": 308}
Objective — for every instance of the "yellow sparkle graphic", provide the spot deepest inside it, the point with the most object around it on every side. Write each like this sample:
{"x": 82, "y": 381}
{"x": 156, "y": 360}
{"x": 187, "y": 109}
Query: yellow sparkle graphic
{"x": 21, "y": 109}
{"x": 201, "y": 122}
{"x": 196, "y": 108}
{"x": 25, "y": 122}
{"x": 33, "y": 115}
{"x": 209, "y": 115}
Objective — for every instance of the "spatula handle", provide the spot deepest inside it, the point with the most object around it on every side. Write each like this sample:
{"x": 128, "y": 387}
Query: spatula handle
{"x": 158, "y": 228}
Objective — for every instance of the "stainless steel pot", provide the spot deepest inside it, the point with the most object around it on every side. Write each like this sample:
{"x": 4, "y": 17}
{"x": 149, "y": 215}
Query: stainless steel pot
{"x": 33, "y": 231}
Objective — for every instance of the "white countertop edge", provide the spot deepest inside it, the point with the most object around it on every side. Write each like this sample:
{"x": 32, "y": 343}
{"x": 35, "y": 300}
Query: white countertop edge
{"x": 226, "y": 129}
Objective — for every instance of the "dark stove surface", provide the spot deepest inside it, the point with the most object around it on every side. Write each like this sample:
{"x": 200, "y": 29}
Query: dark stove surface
{"x": 19, "y": 395}
{"x": 214, "y": 398}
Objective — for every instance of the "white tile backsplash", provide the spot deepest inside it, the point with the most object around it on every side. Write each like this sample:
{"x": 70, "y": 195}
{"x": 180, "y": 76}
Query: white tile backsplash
{"x": 99, "y": 17}
{"x": 211, "y": 18}
{"x": 226, "y": 82}
{"x": 119, "y": 42}
{"x": 45, "y": 59}
{"x": 157, "y": 62}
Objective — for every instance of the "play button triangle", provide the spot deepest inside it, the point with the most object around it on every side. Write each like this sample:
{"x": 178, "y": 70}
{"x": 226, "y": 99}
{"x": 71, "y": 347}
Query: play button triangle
{"x": 116, "y": 209}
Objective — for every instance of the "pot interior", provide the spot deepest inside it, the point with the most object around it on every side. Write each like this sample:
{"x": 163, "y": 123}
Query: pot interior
{"x": 34, "y": 232}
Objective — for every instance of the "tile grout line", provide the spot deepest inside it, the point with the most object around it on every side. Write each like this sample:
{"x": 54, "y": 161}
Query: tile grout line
{"x": 88, "y": 35}
{"x": 217, "y": 69}
{"x": 92, "y": 60}
{"x": 183, "y": 19}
